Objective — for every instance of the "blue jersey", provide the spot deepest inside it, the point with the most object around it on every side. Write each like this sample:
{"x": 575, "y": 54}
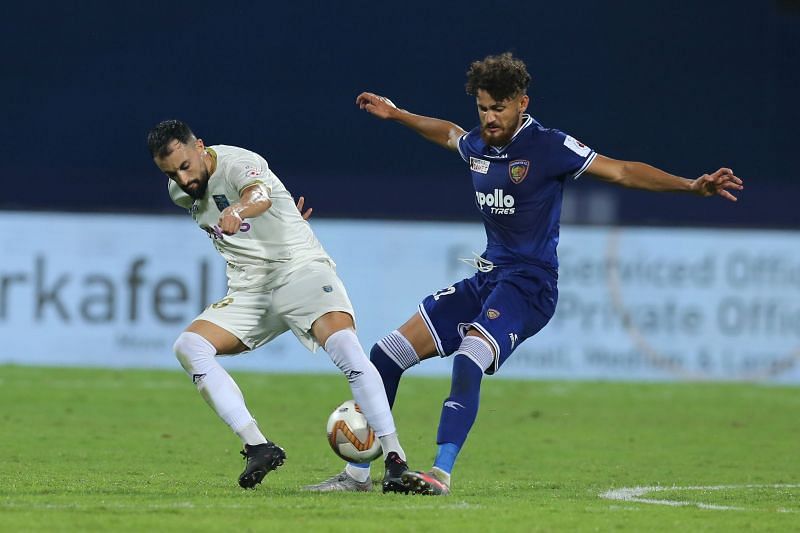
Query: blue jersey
{"x": 518, "y": 190}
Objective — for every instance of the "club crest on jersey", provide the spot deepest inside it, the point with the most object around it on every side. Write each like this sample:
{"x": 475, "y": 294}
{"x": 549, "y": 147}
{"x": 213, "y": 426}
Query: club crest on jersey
{"x": 480, "y": 166}
{"x": 518, "y": 170}
{"x": 491, "y": 314}
{"x": 221, "y": 200}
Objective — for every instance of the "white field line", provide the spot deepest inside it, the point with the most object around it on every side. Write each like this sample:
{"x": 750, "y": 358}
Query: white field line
{"x": 635, "y": 494}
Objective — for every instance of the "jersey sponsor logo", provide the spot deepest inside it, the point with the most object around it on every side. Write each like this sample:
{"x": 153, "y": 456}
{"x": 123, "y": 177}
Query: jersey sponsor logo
{"x": 221, "y": 200}
{"x": 215, "y": 232}
{"x": 576, "y": 146}
{"x": 497, "y": 201}
{"x": 327, "y": 288}
{"x": 480, "y": 166}
{"x": 514, "y": 338}
{"x": 491, "y": 314}
{"x": 453, "y": 405}
{"x": 253, "y": 173}
{"x": 518, "y": 170}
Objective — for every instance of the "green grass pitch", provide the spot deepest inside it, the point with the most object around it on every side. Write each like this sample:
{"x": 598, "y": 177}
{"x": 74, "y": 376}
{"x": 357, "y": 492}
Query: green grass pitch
{"x": 134, "y": 450}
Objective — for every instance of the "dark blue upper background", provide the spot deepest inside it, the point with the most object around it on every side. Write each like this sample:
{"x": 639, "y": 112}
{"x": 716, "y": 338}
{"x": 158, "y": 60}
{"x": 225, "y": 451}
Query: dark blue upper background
{"x": 688, "y": 89}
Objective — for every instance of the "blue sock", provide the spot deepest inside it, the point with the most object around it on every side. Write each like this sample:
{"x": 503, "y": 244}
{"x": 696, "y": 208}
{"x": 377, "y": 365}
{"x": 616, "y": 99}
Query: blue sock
{"x": 389, "y": 370}
{"x": 446, "y": 456}
{"x": 458, "y": 411}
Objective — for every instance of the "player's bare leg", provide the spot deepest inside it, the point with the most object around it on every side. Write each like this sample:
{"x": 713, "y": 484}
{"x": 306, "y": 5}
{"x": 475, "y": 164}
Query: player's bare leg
{"x": 196, "y": 349}
{"x": 335, "y": 331}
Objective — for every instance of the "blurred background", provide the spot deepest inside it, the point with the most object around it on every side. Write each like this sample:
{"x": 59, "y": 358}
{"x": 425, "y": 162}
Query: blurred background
{"x": 688, "y": 87}
{"x": 685, "y": 86}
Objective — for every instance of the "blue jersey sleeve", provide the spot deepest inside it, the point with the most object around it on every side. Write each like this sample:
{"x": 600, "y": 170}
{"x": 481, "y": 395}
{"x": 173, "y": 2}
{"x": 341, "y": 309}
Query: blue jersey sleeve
{"x": 463, "y": 149}
{"x": 567, "y": 157}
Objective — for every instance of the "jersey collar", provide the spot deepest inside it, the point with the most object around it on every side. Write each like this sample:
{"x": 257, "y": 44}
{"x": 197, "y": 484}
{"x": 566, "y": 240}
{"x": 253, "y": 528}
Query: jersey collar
{"x": 213, "y": 155}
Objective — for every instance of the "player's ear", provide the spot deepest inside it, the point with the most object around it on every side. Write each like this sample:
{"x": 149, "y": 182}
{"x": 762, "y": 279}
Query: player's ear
{"x": 523, "y": 103}
{"x": 199, "y": 144}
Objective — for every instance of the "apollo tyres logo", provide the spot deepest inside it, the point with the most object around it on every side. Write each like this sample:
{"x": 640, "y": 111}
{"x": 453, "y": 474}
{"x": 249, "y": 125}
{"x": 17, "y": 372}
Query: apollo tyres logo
{"x": 497, "y": 201}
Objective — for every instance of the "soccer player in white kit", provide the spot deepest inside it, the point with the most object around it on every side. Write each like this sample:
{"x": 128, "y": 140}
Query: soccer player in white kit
{"x": 279, "y": 278}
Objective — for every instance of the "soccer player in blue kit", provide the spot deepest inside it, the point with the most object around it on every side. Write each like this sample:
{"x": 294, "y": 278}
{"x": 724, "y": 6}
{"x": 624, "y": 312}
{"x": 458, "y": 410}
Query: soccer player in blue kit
{"x": 518, "y": 170}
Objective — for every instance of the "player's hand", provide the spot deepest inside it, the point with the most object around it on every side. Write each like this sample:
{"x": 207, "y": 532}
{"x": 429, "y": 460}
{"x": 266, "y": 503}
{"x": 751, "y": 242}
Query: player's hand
{"x": 300, "y": 203}
{"x": 380, "y": 106}
{"x": 718, "y": 183}
{"x": 230, "y": 220}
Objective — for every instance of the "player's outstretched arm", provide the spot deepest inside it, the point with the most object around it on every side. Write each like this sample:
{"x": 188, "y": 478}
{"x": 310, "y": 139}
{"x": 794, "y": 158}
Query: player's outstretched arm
{"x": 441, "y": 132}
{"x": 643, "y": 176}
{"x": 253, "y": 202}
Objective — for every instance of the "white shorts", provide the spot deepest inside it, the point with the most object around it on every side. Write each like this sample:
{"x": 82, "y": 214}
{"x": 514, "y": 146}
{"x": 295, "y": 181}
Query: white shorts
{"x": 257, "y": 317}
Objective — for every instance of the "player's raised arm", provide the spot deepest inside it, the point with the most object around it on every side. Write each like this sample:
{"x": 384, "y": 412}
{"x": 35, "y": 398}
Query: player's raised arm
{"x": 642, "y": 176}
{"x": 441, "y": 132}
{"x": 253, "y": 202}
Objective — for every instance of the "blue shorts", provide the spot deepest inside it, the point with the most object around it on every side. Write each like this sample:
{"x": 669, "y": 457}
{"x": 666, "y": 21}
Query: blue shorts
{"x": 506, "y": 305}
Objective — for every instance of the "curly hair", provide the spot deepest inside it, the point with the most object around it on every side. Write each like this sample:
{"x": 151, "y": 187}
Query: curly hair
{"x": 162, "y": 135}
{"x": 502, "y": 76}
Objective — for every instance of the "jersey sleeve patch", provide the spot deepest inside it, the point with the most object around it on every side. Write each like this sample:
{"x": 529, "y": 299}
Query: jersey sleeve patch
{"x": 576, "y": 146}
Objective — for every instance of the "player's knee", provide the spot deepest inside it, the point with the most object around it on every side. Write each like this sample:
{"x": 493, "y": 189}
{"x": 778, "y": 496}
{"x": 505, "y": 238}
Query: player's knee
{"x": 192, "y": 351}
{"x": 478, "y": 350}
{"x": 346, "y": 353}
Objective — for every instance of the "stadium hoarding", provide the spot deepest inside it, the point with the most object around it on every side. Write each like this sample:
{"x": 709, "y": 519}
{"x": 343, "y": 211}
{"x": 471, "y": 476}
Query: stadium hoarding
{"x": 634, "y": 303}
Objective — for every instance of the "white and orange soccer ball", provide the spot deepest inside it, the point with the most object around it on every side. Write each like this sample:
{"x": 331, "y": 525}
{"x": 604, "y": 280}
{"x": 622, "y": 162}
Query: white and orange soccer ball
{"x": 350, "y": 436}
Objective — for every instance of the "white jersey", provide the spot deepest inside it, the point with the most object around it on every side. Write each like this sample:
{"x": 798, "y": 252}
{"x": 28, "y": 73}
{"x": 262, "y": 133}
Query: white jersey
{"x": 266, "y": 247}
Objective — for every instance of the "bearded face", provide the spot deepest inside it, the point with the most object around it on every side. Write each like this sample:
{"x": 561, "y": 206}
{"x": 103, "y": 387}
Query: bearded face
{"x": 499, "y": 119}
{"x": 184, "y": 165}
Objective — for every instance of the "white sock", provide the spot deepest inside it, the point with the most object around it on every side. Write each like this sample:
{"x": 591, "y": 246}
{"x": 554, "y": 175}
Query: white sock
{"x": 441, "y": 475}
{"x": 390, "y": 443}
{"x": 366, "y": 386}
{"x": 250, "y": 434}
{"x": 198, "y": 358}
{"x": 360, "y": 474}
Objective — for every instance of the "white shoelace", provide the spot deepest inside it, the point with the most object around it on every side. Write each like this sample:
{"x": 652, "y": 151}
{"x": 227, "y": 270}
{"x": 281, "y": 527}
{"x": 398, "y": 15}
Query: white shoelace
{"x": 478, "y": 262}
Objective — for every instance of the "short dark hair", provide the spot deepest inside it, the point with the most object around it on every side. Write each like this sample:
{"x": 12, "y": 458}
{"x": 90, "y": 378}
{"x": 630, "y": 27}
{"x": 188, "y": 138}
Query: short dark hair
{"x": 166, "y": 131}
{"x": 502, "y": 76}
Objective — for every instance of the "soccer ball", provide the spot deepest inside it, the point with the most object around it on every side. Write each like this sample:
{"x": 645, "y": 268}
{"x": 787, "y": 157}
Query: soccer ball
{"x": 350, "y": 436}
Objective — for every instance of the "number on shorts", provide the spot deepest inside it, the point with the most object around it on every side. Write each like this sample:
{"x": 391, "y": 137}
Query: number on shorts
{"x": 443, "y": 292}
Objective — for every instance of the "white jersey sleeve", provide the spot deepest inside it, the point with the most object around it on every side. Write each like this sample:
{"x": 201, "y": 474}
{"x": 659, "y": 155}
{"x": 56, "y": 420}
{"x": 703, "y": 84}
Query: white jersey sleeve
{"x": 267, "y": 246}
{"x": 247, "y": 169}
